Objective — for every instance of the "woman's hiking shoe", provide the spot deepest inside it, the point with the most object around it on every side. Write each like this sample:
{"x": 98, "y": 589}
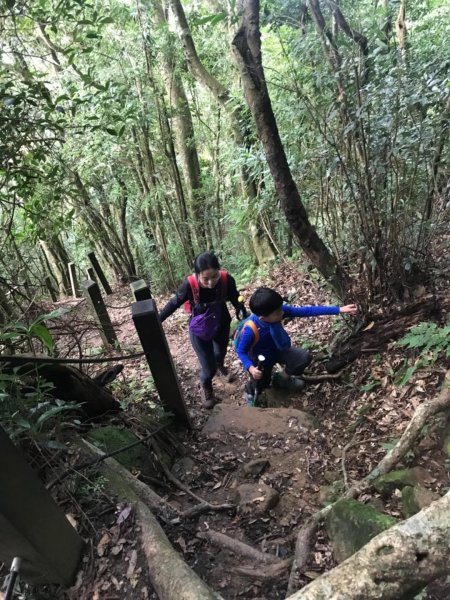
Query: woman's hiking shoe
{"x": 207, "y": 394}
{"x": 290, "y": 384}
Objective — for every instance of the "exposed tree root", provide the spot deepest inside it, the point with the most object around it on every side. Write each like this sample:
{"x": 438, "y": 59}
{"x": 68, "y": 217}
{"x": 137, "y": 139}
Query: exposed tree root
{"x": 311, "y": 378}
{"x": 121, "y": 478}
{"x": 204, "y": 505}
{"x": 395, "y": 565}
{"x": 171, "y": 577}
{"x": 269, "y": 572}
{"x": 392, "y": 327}
{"x": 305, "y": 539}
{"x": 236, "y": 546}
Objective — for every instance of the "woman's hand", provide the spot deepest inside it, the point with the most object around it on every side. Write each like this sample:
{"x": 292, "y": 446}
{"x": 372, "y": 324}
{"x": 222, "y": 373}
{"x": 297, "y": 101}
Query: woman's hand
{"x": 255, "y": 372}
{"x": 241, "y": 312}
{"x": 350, "y": 309}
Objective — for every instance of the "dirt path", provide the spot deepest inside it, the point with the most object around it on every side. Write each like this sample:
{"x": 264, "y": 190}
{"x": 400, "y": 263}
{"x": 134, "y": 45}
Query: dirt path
{"x": 298, "y": 441}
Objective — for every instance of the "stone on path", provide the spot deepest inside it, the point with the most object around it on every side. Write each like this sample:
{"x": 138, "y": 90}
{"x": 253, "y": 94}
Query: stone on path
{"x": 351, "y": 525}
{"x": 387, "y": 484}
{"x": 184, "y": 469}
{"x": 254, "y": 468}
{"x": 414, "y": 499}
{"x": 256, "y": 498}
{"x": 245, "y": 419}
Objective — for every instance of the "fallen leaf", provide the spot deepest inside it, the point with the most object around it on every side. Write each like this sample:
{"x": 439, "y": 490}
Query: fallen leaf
{"x": 182, "y": 543}
{"x": 124, "y": 514}
{"x": 132, "y": 564}
{"x": 72, "y": 520}
{"x": 312, "y": 574}
{"x": 101, "y": 546}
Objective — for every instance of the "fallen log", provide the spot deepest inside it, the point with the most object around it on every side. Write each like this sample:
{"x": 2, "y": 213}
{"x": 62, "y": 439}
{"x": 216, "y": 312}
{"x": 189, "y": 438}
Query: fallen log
{"x": 387, "y": 329}
{"x": 171, "y": 577}
{"x": 70, "y": 385}
{"x": 395, "y": 565}
{"x": 125, "y": 483}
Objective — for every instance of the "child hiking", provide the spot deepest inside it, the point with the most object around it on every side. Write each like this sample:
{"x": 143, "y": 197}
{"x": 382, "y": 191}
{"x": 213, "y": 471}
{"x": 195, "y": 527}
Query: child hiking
{"x": 266, "y": 337}
{"x": 206, "y": 292}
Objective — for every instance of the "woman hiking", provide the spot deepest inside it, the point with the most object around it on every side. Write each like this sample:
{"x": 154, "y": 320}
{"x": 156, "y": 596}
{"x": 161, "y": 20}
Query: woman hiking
{"x": 204, "y": 294}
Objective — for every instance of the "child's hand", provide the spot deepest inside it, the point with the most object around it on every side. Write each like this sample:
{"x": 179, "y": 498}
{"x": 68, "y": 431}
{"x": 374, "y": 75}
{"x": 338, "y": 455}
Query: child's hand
{"x": 255, "y": 372}
{"x": 350, "y": 309}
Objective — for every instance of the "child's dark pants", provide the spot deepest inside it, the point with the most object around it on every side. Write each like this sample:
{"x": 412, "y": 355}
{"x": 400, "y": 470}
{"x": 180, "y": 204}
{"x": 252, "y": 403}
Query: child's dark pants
{"x": 295, "y": 361}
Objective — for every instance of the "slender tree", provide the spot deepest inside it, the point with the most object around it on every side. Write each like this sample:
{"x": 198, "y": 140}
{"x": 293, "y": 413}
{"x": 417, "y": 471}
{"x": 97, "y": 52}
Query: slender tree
{"x": 247, "y": 45}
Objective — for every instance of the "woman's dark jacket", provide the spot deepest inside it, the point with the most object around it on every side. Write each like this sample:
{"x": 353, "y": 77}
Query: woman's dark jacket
{"x": 184, "y": 293}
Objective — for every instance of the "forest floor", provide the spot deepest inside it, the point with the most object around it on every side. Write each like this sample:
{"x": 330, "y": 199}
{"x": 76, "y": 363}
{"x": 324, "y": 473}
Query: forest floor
{"x": 302, "y": 437}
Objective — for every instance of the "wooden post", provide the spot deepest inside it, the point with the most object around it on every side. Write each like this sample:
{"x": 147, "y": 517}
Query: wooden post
{"x": 32, "y": 525}
{"x": 140, "y": 290}
{"x": 91, "y": 292}
{"x": 99, "y": 272}
{"x": 51, "y": 289}
{"x": 154, "y": 343}
{"x": 73, "y": 280}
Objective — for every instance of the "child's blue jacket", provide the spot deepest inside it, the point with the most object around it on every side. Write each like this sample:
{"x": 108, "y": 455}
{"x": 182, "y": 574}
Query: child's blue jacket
{"x": 272, "y": 336}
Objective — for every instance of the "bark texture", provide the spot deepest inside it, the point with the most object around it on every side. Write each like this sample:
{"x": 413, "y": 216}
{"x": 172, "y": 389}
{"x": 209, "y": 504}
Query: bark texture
{"x": 239, "y": 123}
{"x": 247, "y": 45}
{"x": 171, "y": 577}
{"x": 395, "y": 564}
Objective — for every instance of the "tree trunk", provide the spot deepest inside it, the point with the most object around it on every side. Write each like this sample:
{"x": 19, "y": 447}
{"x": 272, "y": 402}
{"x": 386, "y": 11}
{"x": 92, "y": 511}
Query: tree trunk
{"x": 56, "y": 256}
{"x": 247, "y": 44}
{"x": 169, "y": 147}
{"x": 184, "y": 135}
{"x": 239, "y": 123}
{"x": 395, "y": 565}
{"x": 402, "y": 34}
{"x": 104, "y": 233}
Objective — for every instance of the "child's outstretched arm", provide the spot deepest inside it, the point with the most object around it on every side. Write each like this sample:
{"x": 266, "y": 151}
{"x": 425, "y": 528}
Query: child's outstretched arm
{"x": 350, "y": 309}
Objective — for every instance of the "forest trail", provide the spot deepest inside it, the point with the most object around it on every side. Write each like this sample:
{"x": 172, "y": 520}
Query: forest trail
{"x": 276, "y": 463}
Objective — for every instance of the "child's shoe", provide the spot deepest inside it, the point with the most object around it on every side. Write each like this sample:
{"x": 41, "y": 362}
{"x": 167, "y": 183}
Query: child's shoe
{"x": 249, "y": 399}
{"x": 290, "y": 383}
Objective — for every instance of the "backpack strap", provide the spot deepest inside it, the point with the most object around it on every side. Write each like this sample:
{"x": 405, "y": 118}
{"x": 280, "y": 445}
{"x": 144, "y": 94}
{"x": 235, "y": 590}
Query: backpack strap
{"x": 223, "y": 283}
{"x": 195, "y": 289}
{"x": 255, "y": 330}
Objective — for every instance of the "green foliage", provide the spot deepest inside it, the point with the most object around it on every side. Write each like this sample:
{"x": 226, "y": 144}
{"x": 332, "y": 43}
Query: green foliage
{"x": 431, "y": 340}
{"x": 36, "y": 331}
{"x": 26, "y": 405}
{"x": 87, "y": 98}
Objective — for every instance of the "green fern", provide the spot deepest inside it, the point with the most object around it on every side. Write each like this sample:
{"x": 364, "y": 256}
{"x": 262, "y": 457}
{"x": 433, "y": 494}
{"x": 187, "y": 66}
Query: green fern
{"x": 433, "y": 342}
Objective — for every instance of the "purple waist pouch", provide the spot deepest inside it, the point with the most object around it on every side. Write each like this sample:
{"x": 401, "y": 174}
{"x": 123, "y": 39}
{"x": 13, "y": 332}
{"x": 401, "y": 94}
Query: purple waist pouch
{"x": 207, "y": 324}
